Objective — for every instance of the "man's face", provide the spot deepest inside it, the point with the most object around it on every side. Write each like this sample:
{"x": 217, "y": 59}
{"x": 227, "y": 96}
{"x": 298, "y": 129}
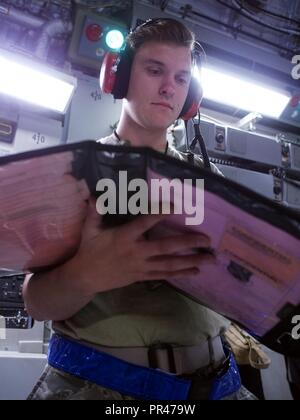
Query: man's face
{"x": 159, "y": 84}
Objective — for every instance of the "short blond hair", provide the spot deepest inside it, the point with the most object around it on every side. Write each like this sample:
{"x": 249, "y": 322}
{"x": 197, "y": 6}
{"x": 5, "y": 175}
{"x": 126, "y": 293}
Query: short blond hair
{"x": 161, "y": 30}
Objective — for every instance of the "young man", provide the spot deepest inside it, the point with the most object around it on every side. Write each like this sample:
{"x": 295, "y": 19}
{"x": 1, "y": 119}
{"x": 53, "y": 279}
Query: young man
{"x": 115, "y": 320}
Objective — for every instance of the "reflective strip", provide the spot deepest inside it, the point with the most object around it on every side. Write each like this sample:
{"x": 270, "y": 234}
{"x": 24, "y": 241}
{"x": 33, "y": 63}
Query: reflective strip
{"x": 129, "y": 379}
{"x": 113, "y": 373}
{"x": 228, "y": 384}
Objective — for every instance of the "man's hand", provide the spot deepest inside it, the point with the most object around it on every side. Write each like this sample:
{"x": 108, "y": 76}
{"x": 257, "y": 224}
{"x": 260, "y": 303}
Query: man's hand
{"x": 117, "y": 257}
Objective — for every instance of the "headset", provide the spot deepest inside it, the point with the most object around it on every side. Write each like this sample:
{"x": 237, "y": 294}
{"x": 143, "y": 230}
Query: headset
{"x": 115, "y": 77}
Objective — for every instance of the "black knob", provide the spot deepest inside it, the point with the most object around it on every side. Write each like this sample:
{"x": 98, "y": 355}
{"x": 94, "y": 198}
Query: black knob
{"x": 277, "y": 190}
{"x": 220, "y": 138}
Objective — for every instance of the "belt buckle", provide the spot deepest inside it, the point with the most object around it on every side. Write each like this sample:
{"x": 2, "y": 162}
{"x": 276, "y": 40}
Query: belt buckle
{"x": 203, "y": 378}
{"x": 153, "y": 359}
{"x": 215, "y": 368}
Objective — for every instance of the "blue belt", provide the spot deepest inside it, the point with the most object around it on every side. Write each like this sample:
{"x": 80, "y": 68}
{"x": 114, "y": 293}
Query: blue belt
{"x": 129, "y": 379}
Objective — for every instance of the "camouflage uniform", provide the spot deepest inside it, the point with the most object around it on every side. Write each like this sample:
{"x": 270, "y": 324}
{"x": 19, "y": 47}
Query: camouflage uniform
{"x": 57, "y": 385}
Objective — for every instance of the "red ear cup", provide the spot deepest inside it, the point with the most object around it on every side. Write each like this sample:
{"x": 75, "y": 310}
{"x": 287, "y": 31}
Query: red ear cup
{"x": 108, "y": 72}
{"x": 115, "y": 73}
{"x": 193, "y": 100}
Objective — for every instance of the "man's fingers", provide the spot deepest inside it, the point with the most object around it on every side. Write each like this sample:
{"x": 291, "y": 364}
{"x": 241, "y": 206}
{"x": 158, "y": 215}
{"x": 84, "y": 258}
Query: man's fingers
{"x": 142, "y": 224}
{"x": 178, "y": 243}
{"x": 167, "y": 275}
{"x": 93, "y": 221}
{"x": 177, "y": 263}
{"x": 84, "y": 191}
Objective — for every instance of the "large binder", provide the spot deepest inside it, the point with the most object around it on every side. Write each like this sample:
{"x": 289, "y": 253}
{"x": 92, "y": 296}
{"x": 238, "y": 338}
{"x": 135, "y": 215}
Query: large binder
{"x": 256, "y": 278}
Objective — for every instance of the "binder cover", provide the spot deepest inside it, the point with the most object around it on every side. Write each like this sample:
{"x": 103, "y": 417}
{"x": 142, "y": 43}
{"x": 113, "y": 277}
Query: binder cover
{"x": 256, "y": 278}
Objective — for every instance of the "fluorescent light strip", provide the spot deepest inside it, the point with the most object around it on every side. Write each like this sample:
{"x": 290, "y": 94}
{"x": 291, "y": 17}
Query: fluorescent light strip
{"x": 33, "y": 86}
{"x": 241, "y": 94}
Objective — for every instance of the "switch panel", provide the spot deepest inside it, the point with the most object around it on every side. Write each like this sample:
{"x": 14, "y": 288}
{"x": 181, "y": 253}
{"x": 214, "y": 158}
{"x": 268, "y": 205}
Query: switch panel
{"x": 11, "y": 289}
{"x": 89, "y": 43}
{"x": 11, "y": 303}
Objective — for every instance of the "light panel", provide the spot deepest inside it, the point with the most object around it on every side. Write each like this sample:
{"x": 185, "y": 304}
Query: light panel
{"x": 242, "y": 94}
{"x": 38, "y": 85}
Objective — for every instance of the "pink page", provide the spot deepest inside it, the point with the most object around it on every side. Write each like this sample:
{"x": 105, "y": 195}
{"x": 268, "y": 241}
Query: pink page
{"x": 271, "y": 256}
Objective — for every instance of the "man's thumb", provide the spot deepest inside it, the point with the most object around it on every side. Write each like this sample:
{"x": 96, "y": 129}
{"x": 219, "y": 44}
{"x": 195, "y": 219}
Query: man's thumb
{"x": 93, "y": 221}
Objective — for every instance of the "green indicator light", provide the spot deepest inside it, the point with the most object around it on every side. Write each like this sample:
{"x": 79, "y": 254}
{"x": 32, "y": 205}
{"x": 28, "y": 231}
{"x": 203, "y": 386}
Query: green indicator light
{"x": 115, "y": 39}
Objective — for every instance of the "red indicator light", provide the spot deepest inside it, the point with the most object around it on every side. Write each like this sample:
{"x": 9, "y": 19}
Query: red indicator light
{"x": 94, "y": 32}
